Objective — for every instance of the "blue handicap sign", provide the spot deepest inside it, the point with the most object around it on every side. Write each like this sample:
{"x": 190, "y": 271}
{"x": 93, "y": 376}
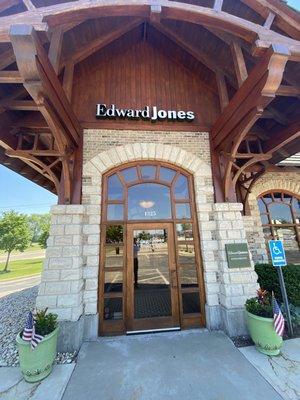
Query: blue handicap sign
{"x": 277, "y": 253}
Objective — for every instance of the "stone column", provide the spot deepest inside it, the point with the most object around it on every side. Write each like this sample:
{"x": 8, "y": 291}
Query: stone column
{"x": 61, "y": 288}
{"x": 237, "y": 284}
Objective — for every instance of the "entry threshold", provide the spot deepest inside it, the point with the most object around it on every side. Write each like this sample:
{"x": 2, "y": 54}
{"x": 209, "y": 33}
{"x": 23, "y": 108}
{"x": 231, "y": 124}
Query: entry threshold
{"x": 141, "y": 332}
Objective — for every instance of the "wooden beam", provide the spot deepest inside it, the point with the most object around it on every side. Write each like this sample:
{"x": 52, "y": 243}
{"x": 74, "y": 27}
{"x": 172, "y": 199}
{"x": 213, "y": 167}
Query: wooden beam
{"x": 292, "y": 91}
{"x": 282, "y": 138}
{"x": 284, "y": 19}
{"x": 21, "y": 105}
{"x": 10, "y": 77}
{"x": 29, "y": 5}
{"x": 5, "y": 4}
{"x": 222, "y": 89}
{"x": 68, "y": 12}
{"x": 68, "y": 79}
{"x": 269, "y": 21}
{"x": 7, "y": 57}
{"x": 189, "y": 48}
{"x": 218, "y": 4}
{"x": 42, "y": 83}
{"x": 95, "y": 45}
{"x": 155, "y": 13}
{"x": 276, "y": 115}
{"x": 54, "y": 53}
{"x": 258, "y": 90}
{"x": 239, "y": 63}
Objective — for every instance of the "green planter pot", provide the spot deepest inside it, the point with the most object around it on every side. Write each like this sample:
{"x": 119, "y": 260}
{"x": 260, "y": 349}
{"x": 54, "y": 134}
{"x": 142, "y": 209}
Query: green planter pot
{"x": 263, "y": 334}
{"x": 37, "y": 364}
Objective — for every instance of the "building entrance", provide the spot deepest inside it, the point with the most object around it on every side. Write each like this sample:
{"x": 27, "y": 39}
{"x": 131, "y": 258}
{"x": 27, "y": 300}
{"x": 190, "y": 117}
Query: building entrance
{"x": 152, "y": 301}
{"x": 150, "y": 266}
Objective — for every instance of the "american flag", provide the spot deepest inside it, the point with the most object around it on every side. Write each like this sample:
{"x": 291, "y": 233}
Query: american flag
{"x": 29, "y": 334}
{"x": 278, "y": 318}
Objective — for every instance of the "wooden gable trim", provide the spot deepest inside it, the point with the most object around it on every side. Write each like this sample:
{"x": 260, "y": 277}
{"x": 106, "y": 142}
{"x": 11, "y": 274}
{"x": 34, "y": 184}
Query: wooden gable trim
{"x": 66, "y": 13}
{"x": 232, "y": 127}
{"x": 97, "y": 44}
{"x": 284, "y": 20}
{"x": 41, "y": 81}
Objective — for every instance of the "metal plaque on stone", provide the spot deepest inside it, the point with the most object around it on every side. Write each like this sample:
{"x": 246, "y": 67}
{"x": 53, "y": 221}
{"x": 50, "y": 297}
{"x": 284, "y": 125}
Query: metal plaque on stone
{"x": 238, "y": 255}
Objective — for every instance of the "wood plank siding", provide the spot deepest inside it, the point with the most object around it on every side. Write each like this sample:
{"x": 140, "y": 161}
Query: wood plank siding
{"x": 132, "y": 73}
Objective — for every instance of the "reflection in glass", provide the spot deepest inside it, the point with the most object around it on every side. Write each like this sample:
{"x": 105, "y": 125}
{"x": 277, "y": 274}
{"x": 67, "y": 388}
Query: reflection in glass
{"x": 114, "y": 188}
{"x": 148, "y": 172}
{"x": 277, "y": 196}
{"x": 191, "y": 303}
{"x": 166, "y": 174}
{"x": 184, "y": 231}
{"x": 280, "y": 213}
{"x": 289, "y": 238}
{"x": 181, "y": 190}
{"x": 115, "y": 212}
{"x": 264, "y": 219}
{"x": 186, "y": 253}
{"x": 183, "y": 211}
{"x": 113, "y": 281}
{"x": 148, "y": 201}
{"x": 268, "y": 198}
{"x": 296, "y": 209}
{"x": 114, "y": 256}
{"x": 129, "y": 174}
{"x": 188, "y": 276}
{"x": 113, "y": 309}
{"x": 152, "y": 292}
{"x": 114, "y": 234}
{"x": 261, "y": 206}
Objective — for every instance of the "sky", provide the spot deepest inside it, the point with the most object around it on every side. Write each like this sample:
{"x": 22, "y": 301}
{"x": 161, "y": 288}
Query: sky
{"x": 22, "y": 195}
{"x": 294, "y": 3}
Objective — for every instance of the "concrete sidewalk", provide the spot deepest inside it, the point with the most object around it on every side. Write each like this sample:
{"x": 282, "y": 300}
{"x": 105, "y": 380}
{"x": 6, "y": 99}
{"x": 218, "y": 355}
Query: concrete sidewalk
{"x": 282, "y": 372}
{"x": 191, "y": 365}
{"x": 13, "y": 386}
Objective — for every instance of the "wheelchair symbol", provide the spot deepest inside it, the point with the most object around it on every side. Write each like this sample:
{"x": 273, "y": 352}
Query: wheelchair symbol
{"x": 276, "y": 250}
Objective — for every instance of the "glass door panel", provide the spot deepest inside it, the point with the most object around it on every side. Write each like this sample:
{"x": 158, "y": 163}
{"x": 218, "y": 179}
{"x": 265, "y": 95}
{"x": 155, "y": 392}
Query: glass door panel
{"x": 152, "y": 290}
{"x": 152, "y": 279}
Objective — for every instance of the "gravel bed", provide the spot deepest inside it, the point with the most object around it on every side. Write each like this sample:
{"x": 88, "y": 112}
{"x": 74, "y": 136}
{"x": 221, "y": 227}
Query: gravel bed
{"x": 14, "y": 309}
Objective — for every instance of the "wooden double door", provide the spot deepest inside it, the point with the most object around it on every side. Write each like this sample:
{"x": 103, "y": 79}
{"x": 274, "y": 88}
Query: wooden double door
{"x": 152, "y": 283}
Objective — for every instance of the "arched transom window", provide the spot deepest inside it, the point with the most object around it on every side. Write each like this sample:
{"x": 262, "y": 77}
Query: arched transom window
{"x": 148, "y": 192}
{"x": 280, "y": 217}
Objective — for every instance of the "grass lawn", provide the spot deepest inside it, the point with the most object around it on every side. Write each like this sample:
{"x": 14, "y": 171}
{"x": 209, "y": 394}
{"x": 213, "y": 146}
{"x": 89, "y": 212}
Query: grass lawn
{"x": 21, "y": 268}
{"x": 32, "y": 248}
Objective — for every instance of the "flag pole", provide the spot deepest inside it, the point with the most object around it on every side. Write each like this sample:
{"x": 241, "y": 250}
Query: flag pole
{"x": 285, "y": 300}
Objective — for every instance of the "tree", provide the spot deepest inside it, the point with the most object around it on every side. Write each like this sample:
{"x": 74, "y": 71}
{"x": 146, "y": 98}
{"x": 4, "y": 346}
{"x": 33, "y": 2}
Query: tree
{"x": 44, "y": 234}
{"x": 144, "y": 235}
{"x": 14, "y": 233}
{"x": 37, "y": 224}
{"x": 114, "y": 234}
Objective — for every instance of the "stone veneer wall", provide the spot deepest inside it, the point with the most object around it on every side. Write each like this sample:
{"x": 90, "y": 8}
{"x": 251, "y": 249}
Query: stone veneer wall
{"x": 226, "y": 290}
{"x": 275, "y": 181}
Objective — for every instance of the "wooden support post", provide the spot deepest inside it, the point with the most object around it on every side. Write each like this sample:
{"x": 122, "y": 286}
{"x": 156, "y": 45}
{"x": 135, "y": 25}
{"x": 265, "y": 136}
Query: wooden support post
{"x": 55, "y": 48}
{"x": 269, "y": 21}
{"x": 222, "y": 89}
{"x": 239, "y": 63}
{"x": 68, "y": 79}
{"x": 29, "y": 5}
{"x": 10, "y": 77}
{"x": 218, "y": 5}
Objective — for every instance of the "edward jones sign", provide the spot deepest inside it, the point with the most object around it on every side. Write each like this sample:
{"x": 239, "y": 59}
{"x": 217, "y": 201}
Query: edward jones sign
{"x": 148, "y": 113}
